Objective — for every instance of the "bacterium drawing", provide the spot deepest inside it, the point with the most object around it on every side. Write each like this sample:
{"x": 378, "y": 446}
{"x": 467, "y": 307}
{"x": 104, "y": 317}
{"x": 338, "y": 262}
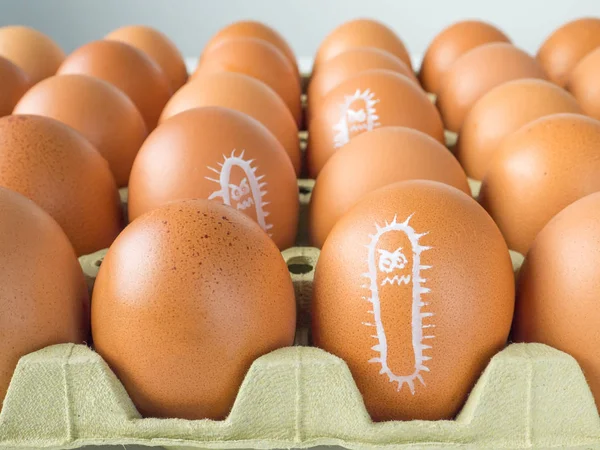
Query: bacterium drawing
{"x": 358, "y": 113}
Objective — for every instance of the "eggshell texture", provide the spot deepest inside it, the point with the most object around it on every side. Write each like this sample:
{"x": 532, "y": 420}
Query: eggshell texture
{"x": 500, "y": 112}
{"x": 186, "y": 299}
{"x": 539, "y": 170}
{"x": 373, "y": 160}
{"x": 368, "y": 100}
{"x": 15, "y": 83}
{"x": 451, "y": 44}
{"x": 34, "y": 52}
{"x": 361, "y": 33}
{"x": 564, "y": 48}
{"x": 258, "y": 59}
{"x": 62, "y": 172}
{"x": 223, "y": 155}
{"x": 245, "y": 94}
{"x": 253, "y": 29}
{"x": 414, "y": 289}
{"x": 583, "y": 83}
{"x": 477, "y": 72}
{"x": 43, "y": 295}
{"x": 557, "y": 295}
{"x": 127, "y": 68}
{"x": 158, "y": 47}
{"x": 335, "y": 70}
{"x": 98, "y": 110}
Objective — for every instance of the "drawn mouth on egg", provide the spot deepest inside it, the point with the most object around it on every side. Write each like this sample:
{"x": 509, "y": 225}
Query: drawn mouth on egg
{"x": 399, "y": 280}
{"x": 245, "y": 204}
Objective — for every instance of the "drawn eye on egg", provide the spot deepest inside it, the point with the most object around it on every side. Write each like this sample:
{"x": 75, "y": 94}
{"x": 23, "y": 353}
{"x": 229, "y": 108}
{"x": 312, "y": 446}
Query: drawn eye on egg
{"x": 358, "y": 113}
{"x": 237, "y": 192}
{"x": 389, "y": 261}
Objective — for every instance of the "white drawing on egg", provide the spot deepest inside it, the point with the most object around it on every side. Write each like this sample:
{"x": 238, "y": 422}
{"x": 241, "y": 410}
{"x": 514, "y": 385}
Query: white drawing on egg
{"x": 249, "y": 192}
{"x": 388, "y": 263}
{"x": 364, "y": 118}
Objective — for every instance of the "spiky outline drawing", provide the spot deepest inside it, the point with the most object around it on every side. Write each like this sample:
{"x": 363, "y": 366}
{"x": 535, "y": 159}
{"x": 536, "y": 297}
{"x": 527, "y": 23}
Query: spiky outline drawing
{"x": 257, "y": 186}
{"x": 418, "y": 335}
{"x": 342, "y": 129}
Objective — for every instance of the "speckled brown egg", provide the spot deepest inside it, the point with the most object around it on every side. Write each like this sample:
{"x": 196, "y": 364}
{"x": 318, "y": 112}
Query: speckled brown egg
{"x": 43, "y": 296}
{"x": 371, "y": 99}
{"x": 15, "y": 83}
{"x": 34, "y": 52}
{"x": 399, "y": 295}
{"x": 258, "y": 59}
{"x": 59, "y": 169}
{"x": 127, "y": 68}
{"x": 335, "y": 70}
{"x": 565, "y": 47}
{"x": 539, "y": 170}
{"x": 500, "y": 112}
{"x": 557, "y": 292}
{"x": 373, "y": 160}
{"x": 245, "y": 94}
{"x": 98, "y": 110}
{"x": 450, "y": 44}
{"x": 188, "y": 296}
{"x": 477, "y": 72}
{"x": 583, "y": 83}
{"x": 360, "y": 33}
{"x": 158, "y": 47}
{"x": 223, "y": 155}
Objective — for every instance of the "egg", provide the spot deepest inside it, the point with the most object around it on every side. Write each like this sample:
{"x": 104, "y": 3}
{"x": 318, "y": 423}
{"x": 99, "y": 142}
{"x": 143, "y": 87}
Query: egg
{"x": 373, "y": 160}
{"x": 15, "y": 83}
{"x": 223, "y": 155}
{"x": 477, "y": 72}
{"x": 539, "y": 170}
{"x": 244, "y": 94}
{"x": 557, "y": 292}
{"x": 360, "y": 33}
{"x": 98, "y": 110}
{"x": 566, "y": 46}
{"x": 58, "y": 169}
{"x": 127, "y": 68}
{"x": 43, "y": 295}
{"x": 260, "y": 60}
{"x": 450, "y": 44}
{"x": 500, "y": 112}
{"x": 158, "y": 47}
{"x": 414, "y": 290}
{"x": 253, "y": 29}
{"x": 34, "y": 52}
{"x": 583, "y": 83}
{"x": 371, "y": 99}
{"x": 187, "y": 297}
{"x": 335, "y": 70}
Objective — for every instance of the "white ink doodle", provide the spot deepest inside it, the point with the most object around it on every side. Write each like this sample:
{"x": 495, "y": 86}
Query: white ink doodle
{"x": 353, "y": 119}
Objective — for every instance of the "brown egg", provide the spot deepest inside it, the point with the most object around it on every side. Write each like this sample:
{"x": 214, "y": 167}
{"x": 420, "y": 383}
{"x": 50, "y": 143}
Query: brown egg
{"x": 361, "y": 33}
{"x": 398, "y": 295}
{"x": 62, "y": 172}
{"x": 15, "y": 83}
{"x": 583, "y": 83}
{"x": 563, "y": 49}
{"x": 222, "y": 155}
{"x": 373, "y": 160}
{"x": 477, "y": 72}
{"x": 98, "y": 110}
{"x": 451, "y": 44}
{"x": 158, "y": 47}
{"x": 500, "y": 112}
{"x": 43, "y": 296}
{"x": 245, "y": 94}
{"x": 127, "y": 68}
{"x": 186, "y": 299}
{"x": 368, "y": 100}
{"x": 260, "y": 60}
{"x": 539, "y": 170}
{"x": 557, "y": 295}
{"x": 351, "y": 62}
{"x": 252, "y": 29}
{"x": 34, "y": 52}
